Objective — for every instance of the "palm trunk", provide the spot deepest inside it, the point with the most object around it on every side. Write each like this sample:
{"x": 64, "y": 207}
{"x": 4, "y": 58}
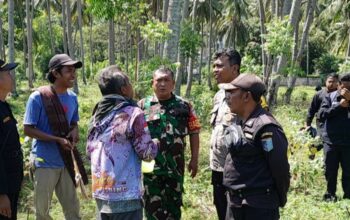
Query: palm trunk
{"x": 91, "y": 47}
{"x": 174, "y": 18}
{"x": 29, "y": 42}
{"x": 201, "y": 56}
{"x": 2, "y": 45}
{"x": 11, "y": 42}
{"x": 180, "y": 57}
{"x": 297, "y": 58}
{"x": 71, "y": 51}
{"x": 52, "y": 39}
{"x": 111, "y": 42}
{"x": 190, "y": 74}
{"x": 64, "y": 26}
{"x": 80, "y": 22}
{"x": 266, "y": 74}
{"x": 209, "y": 44}
{"x": 164, "y": 19}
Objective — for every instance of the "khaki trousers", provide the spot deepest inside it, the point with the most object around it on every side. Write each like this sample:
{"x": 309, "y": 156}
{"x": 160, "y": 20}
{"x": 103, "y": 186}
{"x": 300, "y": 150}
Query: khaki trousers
{"x": 47, "y": 180}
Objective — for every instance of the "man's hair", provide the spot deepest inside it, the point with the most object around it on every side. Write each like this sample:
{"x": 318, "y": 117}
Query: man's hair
{"x": 333, "y": 75}
{"x": 233, "y": 56}
{"x": 111, "y": 80}
{"x": 345, "y": 78}
{"x": 50, "y": 75}
{"x": 166, "y": 70}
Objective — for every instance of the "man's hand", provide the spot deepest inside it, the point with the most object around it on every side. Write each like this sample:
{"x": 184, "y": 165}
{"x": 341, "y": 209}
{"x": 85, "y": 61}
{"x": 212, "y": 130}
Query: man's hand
{"x": 66, "y": 144}
{"x": 344, "y": 103}
{"x": 193, "y": 167}
{"x": 5, "y": 206}
{"x": 345, "y": 93}
{"x": 73, "y": 135}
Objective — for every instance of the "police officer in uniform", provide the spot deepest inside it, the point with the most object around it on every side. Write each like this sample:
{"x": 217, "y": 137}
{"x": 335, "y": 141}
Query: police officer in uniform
{"x": 256, "y": 171}
{"x": 11, "y": 158}
{"x": 335, "y": 116}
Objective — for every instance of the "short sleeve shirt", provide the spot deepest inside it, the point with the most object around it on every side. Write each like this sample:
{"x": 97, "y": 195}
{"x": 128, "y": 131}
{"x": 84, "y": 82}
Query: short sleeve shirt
{"x": 46, "y": 153}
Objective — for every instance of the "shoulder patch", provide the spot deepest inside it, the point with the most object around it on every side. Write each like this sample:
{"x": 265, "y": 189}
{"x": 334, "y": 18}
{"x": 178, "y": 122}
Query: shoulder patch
{"x": 6, "y": 119}
{"x": 267, "y": 144}
{"x": 266, "y": 135}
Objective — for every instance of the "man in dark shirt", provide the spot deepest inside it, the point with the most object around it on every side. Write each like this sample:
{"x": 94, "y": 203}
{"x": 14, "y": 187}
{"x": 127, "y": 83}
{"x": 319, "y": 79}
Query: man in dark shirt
{"x": 11, "y": 158}
{"x": 331, "y": 85}
{"x": 335, "y": 117}
{"x": 256, "y": 171}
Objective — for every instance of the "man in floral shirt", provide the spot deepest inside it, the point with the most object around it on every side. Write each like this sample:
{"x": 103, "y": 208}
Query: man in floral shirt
{"x": 118, "y": 139}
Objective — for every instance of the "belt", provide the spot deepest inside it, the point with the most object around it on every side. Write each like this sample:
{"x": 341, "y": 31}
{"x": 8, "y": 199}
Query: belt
{"x": 242, "y": 193}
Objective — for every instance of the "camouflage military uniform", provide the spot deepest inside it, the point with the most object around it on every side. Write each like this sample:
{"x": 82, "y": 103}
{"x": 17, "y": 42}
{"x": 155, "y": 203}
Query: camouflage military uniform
{"x": 169, "y": 121}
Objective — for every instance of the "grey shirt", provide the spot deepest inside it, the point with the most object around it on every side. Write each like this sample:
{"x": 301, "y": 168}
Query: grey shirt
{"x": 221, "y": 117}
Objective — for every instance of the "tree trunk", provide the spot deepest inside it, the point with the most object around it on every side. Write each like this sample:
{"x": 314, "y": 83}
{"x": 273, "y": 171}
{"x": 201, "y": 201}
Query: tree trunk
{"x": 126, "y": 40}
{"x": 201, "y": 55}
{"x": 281, "y": 63}
{"x": 180, "y": 57}
{"x": 64, "y": 26}
{"x": 2, "y": 44}
{"x": 209, "y": 44}
{"x": 164, "y": 19}
{"x": 52, "y": 39}
{"x": 91, "y": 47}
{"x": 174, "y": 18}
{"x": 192, "y": 60}
{"x": 11, "y": 42}
{"x": 266, "y": 74}
{"x": 29, "y": 16}
{"x": 80, "y": 22}
{"x": 70, "y": 40}
{"x": 111, "y": 42}
{"x": 297, "y": 58}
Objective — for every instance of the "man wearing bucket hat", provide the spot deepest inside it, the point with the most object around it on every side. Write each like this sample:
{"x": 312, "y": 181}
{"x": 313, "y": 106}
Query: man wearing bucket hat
{"x": 256, "y": 171}
{"x": 11, "y": 158}
{"x": 51, "y": 119}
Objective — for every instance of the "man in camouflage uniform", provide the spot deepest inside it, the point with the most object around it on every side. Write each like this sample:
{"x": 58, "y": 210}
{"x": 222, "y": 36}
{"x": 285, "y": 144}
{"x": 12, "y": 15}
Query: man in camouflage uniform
{"x": 226, "y": 68}
{"x": 170, "y": 119}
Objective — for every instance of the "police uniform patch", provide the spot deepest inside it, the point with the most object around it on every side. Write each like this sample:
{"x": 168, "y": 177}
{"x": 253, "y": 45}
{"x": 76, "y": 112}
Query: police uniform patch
{"x": 267, "y": 144}
{"x": 6, "y": 119}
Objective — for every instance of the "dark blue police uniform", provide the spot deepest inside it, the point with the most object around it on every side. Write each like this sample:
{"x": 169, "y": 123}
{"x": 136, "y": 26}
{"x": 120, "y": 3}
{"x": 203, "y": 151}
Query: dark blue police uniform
{"x": 257, "y": 170}
{"x": 336, "y": 138}
{"x": 11, "y": 158}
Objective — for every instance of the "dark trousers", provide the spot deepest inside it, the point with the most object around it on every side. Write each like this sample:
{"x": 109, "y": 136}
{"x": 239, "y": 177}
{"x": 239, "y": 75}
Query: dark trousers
{"x": 333, "y": 156}
{"x": 219, "y": 192}
{"x": 134, "y": 215}
{"x": 250, "y": 213}
{"x": 13, "y": 199}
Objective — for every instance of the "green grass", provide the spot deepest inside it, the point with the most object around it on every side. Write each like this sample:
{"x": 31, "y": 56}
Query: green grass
{"x": 307, "y": 183}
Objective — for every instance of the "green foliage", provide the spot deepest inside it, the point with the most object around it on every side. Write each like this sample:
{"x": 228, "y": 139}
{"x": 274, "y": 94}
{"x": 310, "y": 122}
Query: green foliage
{"x": 326, "y": 64}
{"x": 317, "y": 47}
{"x": 344, "y": 67}
{"x": 201, "y": 102}
{"x": 189, "y": 41}
{"x": 279, "y": 38}
{"x": 155, "y": 31}
{"x": 294, "y": 71}
{"x": 250, "y": 65}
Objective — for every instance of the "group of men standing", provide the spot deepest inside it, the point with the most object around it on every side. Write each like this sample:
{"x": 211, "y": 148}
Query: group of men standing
{"x": 331, "y": 108}
{"x": 248, "y": 154}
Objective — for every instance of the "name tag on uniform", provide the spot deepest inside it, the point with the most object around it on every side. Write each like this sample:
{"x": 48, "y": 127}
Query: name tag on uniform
{"x": 8, "y": 118}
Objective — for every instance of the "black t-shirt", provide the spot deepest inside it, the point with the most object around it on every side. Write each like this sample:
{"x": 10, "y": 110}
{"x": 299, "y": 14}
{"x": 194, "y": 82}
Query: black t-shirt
{"x": 11, "y": 158}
